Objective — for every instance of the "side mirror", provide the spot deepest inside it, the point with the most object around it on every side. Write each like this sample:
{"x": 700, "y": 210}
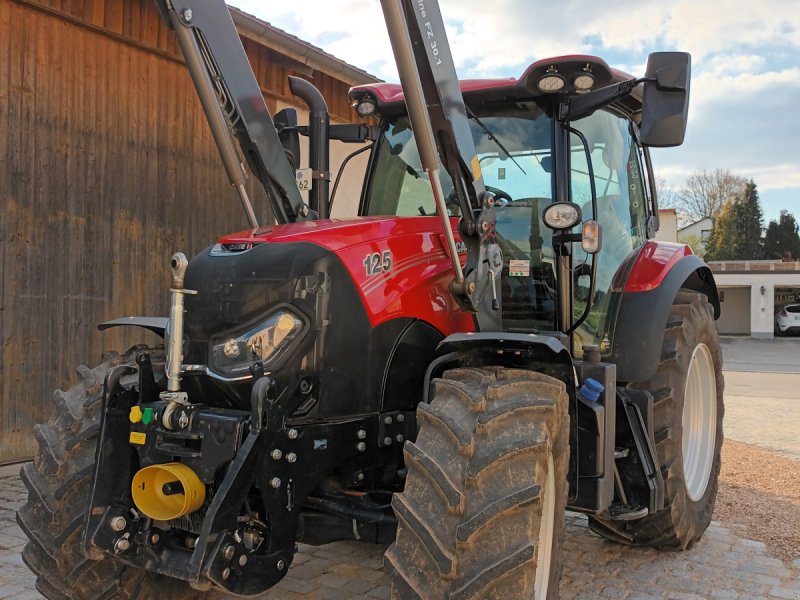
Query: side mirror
{"x": 286, "y": 124}
{"x": 665, "y": 106}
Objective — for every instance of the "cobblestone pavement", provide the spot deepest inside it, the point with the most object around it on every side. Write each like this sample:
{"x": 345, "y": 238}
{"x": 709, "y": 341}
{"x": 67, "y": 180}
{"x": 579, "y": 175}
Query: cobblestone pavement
{"x": 722, "y": 566}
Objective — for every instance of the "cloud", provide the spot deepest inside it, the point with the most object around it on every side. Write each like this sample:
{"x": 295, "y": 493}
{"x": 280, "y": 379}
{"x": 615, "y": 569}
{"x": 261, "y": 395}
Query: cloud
{"x": 707, "y": 27}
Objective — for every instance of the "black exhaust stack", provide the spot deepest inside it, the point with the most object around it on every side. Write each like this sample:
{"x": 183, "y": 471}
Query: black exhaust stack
{"x": 319, "y": 143}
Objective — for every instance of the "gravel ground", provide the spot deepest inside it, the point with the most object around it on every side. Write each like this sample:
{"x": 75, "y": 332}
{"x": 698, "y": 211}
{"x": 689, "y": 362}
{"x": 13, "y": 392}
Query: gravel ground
{"x": 760, "y": 490}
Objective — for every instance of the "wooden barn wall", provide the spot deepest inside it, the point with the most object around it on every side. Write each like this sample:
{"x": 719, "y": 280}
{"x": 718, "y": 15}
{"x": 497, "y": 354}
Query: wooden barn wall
{"x": 107, "y": 167}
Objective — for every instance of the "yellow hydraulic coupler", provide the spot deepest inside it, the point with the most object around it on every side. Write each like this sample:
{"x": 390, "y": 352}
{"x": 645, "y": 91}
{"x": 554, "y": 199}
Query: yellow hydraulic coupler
{"x": 167, "y": 491}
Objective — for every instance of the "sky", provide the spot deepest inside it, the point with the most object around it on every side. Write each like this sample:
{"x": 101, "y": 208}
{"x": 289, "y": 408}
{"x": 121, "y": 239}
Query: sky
{"x": 744, "y": 112}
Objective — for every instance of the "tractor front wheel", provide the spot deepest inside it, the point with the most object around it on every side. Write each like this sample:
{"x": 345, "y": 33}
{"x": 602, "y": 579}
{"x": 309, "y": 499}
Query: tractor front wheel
{"x": 482, "y": 512}
{"x": 59, "y": 482}
{"x": 687, "y": 388}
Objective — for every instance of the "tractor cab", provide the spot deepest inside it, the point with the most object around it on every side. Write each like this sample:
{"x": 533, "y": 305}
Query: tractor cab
{"x": 513, "y": 123}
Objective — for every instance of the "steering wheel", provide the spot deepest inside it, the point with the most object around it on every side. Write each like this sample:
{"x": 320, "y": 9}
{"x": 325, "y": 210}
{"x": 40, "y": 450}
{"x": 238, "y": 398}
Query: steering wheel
{"x": 499, "y": 194}
{"x": 452, "y": 202}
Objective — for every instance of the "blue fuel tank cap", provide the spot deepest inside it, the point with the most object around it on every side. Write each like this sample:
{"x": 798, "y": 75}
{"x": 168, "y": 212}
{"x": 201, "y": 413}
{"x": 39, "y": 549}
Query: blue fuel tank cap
{"x": 591, "y": 389}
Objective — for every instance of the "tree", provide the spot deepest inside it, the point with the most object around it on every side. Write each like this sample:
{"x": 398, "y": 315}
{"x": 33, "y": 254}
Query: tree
{"x": 666, "y": 194}
{"x": 748, "y": 220}
{"x": 781, "y": 239}
{"x": 705, "y": 193}
{"x": 737, "y": 229}
{"x": 722, "y": 238}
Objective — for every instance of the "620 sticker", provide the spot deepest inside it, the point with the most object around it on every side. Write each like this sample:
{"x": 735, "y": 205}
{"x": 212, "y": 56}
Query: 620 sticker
{"x": 378, "y": 263}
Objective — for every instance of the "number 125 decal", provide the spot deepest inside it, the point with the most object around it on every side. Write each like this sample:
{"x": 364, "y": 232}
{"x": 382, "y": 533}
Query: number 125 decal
{"x": 378, "y": 263}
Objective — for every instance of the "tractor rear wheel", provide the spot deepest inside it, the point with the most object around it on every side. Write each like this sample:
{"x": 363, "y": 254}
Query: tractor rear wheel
{"x": 482, "y": 512}
{"x": 687, "y": 388}
{"x": 59, "y": 482}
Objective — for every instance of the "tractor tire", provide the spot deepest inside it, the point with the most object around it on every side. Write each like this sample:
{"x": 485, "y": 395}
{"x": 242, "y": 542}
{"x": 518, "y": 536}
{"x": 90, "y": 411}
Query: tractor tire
{"x": 59, "y": 482}
{"x": 687, "y": 418}
{"x": 482, "y": 512}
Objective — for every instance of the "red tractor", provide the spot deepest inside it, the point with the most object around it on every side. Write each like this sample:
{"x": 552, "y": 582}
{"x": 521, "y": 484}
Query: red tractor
{"x": 495, "y": 338}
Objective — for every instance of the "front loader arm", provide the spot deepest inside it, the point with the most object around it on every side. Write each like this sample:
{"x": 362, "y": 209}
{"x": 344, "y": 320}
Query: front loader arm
{"x": 233, "y": 104}
{"x": 441, "y": 129}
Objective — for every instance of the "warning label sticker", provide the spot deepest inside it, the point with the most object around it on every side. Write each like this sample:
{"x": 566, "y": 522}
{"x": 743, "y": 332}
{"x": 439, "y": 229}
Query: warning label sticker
{"x": 519, "y": 268}
{"x": 138, "y": 438}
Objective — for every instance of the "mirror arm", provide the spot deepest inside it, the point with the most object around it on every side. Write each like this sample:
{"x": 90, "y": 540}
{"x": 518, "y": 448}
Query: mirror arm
{"x": 583, "y": 106}
{"x": 589, "y": 301}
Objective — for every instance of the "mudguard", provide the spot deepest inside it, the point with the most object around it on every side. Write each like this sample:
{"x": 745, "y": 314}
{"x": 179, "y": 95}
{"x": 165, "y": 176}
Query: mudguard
{"x": 544, "y": 353}
{"x": 658, "y": 272}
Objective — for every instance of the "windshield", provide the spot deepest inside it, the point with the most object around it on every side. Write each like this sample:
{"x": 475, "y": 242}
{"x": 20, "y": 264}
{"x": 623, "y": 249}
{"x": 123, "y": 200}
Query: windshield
{"x": 514, "y": 149}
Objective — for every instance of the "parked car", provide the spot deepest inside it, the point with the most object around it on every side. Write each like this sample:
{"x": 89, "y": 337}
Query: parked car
{"x": 787, "y": 320}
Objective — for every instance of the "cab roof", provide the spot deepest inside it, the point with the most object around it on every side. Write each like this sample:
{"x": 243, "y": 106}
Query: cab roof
{"x": 389, "y": 96}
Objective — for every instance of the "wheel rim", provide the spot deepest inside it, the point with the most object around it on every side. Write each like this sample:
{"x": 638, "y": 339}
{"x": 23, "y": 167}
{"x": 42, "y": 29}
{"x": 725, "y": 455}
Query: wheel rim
{"x": 699, "y": 422}
{"x": 544, "y": 553}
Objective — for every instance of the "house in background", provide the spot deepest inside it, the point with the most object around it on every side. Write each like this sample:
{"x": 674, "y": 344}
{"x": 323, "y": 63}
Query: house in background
{"x": 696, "y": 234}
{"x": 750, "y": 292}
{"x": 668, "y": 225}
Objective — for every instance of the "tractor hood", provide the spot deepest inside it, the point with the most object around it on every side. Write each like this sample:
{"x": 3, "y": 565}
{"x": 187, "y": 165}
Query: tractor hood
{"x": 332, "y": 234}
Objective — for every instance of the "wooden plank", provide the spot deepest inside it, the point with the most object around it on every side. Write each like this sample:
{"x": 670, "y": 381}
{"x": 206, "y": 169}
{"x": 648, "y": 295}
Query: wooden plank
{"x": 135, "y": 19}
{"x": 5, "y": 68}
{"x": 114, "y": 16}
{"x": 151, "y": 25}
{"x": 8, "y": 222}
{"x": 19, "y": 348}
{"x": 97, "y": 14}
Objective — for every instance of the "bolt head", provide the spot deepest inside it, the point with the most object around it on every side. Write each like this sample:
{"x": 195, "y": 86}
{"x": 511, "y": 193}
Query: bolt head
{"x": 276, "y": 454}
{"x": 275, "y": 482}
{"x": 361, "y": 446}
{"x": 360, "y": 476}
{"x": 387, "y": 441}
{"x": 361, "y": 434}
{"x": 388, "y": 420}
{"x": 400, "y": 438}
{"x": 293, "y": 434}
{"x": 401, "y": 417}
{"x": 242, "y": 560}
{"x": 183, "y": 420}
{"x": 291, "y": 457}
{"x": 187, "y": 15}
{"x": 304, "y": 210}
{"x": 471, "y": 287}
{"x": 118, "y": 523}
{"x": 281, "y": 565}
{"x": 228, "y": 552}
{"x": 122, "y": 545}
{"x": 226, "y": 573}
{"x": 484, "y": 226}
{"x": 154, "y": 538}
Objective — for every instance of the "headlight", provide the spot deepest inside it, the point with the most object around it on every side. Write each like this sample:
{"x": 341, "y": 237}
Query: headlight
{"x": 562, "y": 215}
{"x": 263, "y": 343}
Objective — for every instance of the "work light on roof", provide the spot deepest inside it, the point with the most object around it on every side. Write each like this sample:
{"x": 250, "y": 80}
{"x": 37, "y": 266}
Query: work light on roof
{"x": 584, "y": 82}
{"x": 366, "y": 106}
{"x": 551, "y": 81}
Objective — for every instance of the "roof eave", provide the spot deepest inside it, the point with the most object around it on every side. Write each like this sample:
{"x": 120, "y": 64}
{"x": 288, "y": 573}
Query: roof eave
{"x": 298, "y": 50}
